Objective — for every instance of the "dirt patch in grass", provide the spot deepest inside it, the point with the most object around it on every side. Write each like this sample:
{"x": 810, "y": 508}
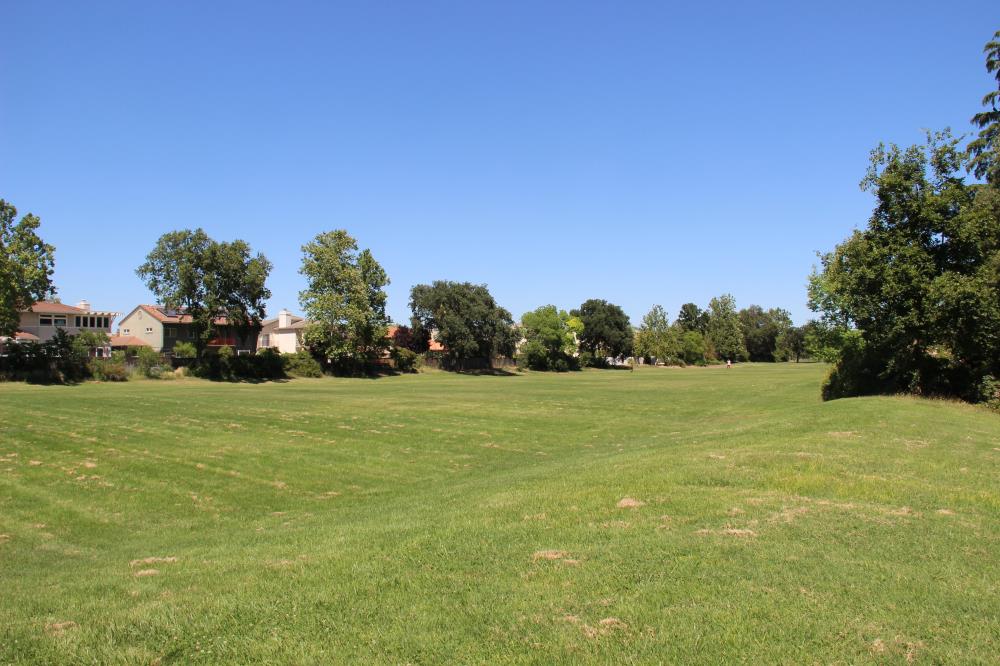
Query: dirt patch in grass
{"x": 789, "y": 514}
{"x": 843, "y": 434}
{"x": 143, "y": 573}
{"x": 945, "y": 512}
{"x": 549, "y": 555}
{"x": 59, "y": 628}
{"x": 629, "y": 503}
{"x": 152, "y": 560}
{"x": 904, "y": 511}
{"x": 730, "y": 531}
{"x": 604, "y": 626}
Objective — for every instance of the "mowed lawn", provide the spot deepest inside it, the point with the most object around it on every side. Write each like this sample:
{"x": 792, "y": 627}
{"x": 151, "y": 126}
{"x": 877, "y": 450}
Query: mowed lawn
{"x": 480, "y": 519}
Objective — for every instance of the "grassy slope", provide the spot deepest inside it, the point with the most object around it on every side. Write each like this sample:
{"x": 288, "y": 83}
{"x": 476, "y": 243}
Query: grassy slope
{"x": 399, "y": 520}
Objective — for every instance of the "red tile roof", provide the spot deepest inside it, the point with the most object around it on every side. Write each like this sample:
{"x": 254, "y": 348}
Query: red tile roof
{"x": 51, "y": 307}
{"x": 127, "y": 341}
{"x": 22, "y": 335}
{"x": 165, "y": 316}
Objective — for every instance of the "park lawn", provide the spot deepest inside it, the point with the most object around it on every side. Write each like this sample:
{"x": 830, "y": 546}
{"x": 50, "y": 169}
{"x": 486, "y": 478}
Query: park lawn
{"x": 476, "y": 519}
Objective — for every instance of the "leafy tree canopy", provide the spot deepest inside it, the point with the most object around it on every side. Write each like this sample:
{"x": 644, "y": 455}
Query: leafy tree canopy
{"x": 207, "y": 279}
{"x": 466, "y": 321}
{"x": 918, "y": 290}
{"x": 26, "y": 265}
{"x": 656, "y": 338}
{"x": 692, "y": 318}
{"x": 551, "y": 338}
{"x": 607, "y": 330}
{"x": 985, "y": 149}
{"x": 723, "y": 329}
{"x": 344, "y": 299}
{"x": 761, "y": 330}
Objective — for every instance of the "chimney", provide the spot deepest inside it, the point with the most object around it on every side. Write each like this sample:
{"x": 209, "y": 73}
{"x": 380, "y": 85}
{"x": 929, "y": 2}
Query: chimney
{"x": 84, "y": 305}
{"x": 284, "y": 319}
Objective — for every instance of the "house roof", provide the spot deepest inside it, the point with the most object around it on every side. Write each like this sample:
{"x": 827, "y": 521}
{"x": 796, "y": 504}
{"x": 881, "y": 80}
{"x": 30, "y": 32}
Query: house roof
{"x": 175, "y": 315}
{"x": 297, "y": 322}
{"x": 127, "y": 341}
{"x": 22, "y": 335}
{"x": 51, "y": 307}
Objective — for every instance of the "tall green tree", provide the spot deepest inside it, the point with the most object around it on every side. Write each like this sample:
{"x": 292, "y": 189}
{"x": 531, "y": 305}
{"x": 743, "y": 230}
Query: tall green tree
{"x": 550, "y": 339}
{"x": 692, "y": 318}
{"x": 26, "y": 265}
{"x": 207, "y": 279}
{"x": 607, "y": 331}
{"x": 919, "y": 288}
{"x": 723, "y": 329}
{"x": 465, "y": 319}
{"x": 761, "y": 329}
{"x": 985, "y": 149}
{"x": 656, "y": 338}
{"x": 791, "y": 344}
{"x": 345, "y": 300}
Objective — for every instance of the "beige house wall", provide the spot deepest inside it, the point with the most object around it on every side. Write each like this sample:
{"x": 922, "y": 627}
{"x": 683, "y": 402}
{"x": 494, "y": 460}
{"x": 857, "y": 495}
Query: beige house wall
{"x": 144, "y": 326}
{"x": 31, "y": 323}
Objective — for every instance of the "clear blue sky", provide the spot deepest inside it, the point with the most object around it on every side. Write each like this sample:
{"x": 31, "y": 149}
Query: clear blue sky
{"x": 557, "y": 151}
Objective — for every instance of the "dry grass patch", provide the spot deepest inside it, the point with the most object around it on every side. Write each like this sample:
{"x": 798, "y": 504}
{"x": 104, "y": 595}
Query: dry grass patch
{"x": 549, "y": 555}
{"x": 59, "y": 628}
{"x": 629, "y": 503}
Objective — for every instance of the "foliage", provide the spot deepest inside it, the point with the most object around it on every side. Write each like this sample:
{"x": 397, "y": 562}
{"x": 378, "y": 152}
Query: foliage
{"x": 301, "y": 364}
{"x": 110, "y": 369}
{"x": 985, "y": 148}
{"x": 149, "y": 362}
{"x": 761, "y": 330}
{"x": 185, "y": 349}
{"x": 692, "y": 347}
{"x": 656, "y": 338}
{"x": 692, "y": 318}
{"x": 469, "y": 324}
{"x": 920, "y": 286}
{"x": 406, "y": 360}
{"x": 26, "y": 265}
{"x": 405, "y": 337}
{"x": 723, "y": 329}
{"x": 207, "y": 279}
{"x": 607, "y": 331}
{"x": 345, "y": 300}
{"x": 791, "y": 344}
{"x": 551, "y": 340}
{"x": 226, "y": 365}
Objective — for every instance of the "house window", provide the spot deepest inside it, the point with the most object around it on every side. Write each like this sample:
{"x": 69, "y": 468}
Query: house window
{"x": 171, "y": 332}
{"x": 59, "y": 321}
{"x": 126, "y": 331}
{"x": 77, "y": 321}
{"x": 190, "y": 333}
{"x": 265, "y": 340}
{"x": 45, "y": 321}
{"x": 49, "y": 320}
{"x": 98, "y": 352}
{"x": 149, "y": 329}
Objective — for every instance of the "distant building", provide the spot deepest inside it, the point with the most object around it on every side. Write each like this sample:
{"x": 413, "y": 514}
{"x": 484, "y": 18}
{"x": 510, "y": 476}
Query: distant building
{"x": 283, "y": 333}
{"x": 161, "y": 328}
{"x": 44, "y": 318}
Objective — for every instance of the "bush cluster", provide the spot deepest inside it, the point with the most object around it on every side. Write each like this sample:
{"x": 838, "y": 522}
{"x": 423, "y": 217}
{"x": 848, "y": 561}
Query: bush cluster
{"x": 225, "y": 365}
{"x": 301, "y": 364}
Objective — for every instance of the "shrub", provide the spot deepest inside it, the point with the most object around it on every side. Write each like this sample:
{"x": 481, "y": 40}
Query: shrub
{"x": 150, "y": 363}
{"x": 185, "y": 350}
{"x": 406, "y": 360}
{"x": 226, "y": 365}
{"x": 109, "y": 370}
{"x": 301, "y": 364}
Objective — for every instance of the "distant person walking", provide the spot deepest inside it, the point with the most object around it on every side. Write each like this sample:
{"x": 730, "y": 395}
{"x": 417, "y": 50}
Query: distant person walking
{"x": 729, "y": 363}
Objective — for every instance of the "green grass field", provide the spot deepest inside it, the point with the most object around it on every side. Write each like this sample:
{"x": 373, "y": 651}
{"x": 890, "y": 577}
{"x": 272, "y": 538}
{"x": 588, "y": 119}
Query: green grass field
{"x": 699, "y": 515}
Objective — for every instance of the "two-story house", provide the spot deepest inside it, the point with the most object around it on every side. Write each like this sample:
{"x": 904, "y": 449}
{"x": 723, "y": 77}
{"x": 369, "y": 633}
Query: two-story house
{"x": 44, "y": 318}
{"x": 161, "y": 328}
